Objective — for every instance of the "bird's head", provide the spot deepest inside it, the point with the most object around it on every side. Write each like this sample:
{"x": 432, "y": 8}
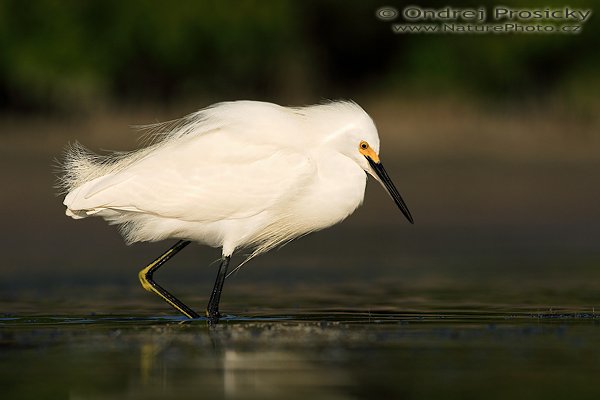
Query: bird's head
{"x": 352, "y": 132}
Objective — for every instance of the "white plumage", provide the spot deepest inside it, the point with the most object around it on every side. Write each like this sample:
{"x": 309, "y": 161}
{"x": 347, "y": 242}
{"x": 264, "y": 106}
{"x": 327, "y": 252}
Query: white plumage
{"x": 234, "y": 175}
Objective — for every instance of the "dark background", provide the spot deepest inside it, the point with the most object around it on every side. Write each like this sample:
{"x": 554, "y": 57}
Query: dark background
{"x": 70, "y": 57}
{"x": 493, "y": 140}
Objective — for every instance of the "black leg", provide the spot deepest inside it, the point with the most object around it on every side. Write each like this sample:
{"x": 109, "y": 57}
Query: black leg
{"x": 212, "y": 310}
{"x": 148, "y": 283}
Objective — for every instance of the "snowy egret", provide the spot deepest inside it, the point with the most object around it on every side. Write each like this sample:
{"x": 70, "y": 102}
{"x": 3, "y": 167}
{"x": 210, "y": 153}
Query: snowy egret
{"x": 242, "y": 174}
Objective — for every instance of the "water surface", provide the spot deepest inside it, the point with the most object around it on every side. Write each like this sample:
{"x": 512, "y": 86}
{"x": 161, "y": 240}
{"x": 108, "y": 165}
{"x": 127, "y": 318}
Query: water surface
{"x": 432, "y": 346}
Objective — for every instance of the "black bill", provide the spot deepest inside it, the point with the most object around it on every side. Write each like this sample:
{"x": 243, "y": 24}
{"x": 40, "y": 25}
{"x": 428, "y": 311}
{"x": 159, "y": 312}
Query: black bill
{"x": 391, "y": 189}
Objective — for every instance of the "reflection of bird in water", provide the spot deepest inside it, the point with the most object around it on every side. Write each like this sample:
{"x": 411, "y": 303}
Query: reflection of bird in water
{"x": 235, "y": 175}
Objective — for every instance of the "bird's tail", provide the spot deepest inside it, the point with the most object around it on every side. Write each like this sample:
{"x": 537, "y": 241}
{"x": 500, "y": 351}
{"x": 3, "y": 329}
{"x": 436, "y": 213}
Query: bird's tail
{"x": 78, "y": 166}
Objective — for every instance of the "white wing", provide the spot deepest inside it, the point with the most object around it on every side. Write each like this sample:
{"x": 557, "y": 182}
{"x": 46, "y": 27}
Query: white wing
{"x": 200, "y": 178}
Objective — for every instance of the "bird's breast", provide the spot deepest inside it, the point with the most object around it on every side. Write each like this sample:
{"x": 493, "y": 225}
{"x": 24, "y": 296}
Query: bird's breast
{"x": 338, "y": 188}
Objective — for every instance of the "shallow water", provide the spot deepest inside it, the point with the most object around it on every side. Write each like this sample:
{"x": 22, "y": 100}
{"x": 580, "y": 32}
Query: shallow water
{"x": 449, "y": 351}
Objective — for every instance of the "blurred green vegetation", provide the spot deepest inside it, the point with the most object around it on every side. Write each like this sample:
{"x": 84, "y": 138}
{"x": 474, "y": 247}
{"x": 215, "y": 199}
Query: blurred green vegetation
{"x": 57, "y": 54}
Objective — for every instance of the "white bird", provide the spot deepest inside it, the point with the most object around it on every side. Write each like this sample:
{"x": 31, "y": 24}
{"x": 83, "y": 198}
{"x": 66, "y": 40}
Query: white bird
{"x": 235, "y": 175}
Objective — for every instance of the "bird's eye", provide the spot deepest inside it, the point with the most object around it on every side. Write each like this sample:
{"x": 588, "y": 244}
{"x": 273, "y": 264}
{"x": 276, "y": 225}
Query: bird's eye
{"x": 364, "y": 145}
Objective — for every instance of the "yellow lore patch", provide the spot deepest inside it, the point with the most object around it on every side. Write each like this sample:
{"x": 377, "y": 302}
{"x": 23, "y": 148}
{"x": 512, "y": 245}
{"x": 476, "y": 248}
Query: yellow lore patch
{"x": 367, "y": 151}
